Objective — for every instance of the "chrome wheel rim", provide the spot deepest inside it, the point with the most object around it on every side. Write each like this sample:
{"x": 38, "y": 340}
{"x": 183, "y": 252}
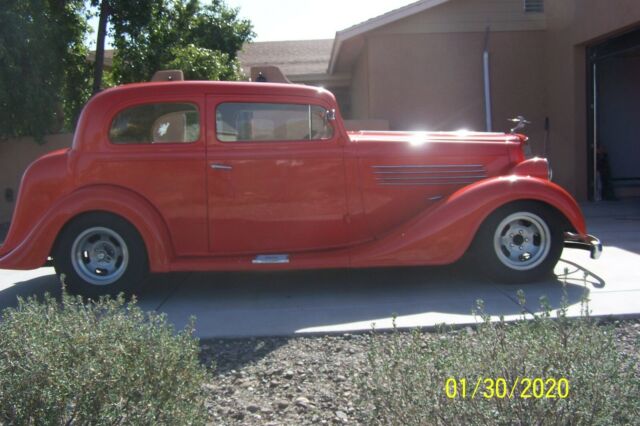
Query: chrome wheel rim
{"x": 522, "y": 241}
{"x": 99, "y": 256}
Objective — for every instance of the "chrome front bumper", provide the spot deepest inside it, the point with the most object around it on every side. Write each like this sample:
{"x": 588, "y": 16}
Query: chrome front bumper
{"x": 584, "y": 242}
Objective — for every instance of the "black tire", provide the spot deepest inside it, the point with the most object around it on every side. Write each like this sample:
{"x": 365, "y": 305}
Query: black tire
{"x": 518, "y": 243}
{"x": 100, "y": 254}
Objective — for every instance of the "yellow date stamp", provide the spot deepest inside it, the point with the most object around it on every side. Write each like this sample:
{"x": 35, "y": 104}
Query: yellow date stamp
{"x": 501, "y": 388}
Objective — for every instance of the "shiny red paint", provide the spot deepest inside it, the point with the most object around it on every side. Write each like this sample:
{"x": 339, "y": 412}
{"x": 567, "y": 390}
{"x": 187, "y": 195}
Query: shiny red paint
{"x": 359, "y": 199}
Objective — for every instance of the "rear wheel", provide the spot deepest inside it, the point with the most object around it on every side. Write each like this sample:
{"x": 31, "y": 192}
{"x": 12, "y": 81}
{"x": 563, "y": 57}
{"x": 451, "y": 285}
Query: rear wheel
{"x": 519, "y": 243}
{"x": 100, "y": 254}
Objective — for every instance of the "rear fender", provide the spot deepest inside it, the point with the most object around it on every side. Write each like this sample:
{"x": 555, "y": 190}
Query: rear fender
{"x": 33, "y": 250}
{"x": 443, "y": 233}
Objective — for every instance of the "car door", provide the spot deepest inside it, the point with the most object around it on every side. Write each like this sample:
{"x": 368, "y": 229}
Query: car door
{"x": 156, "y": 148}
{"x": 275, "y": 178}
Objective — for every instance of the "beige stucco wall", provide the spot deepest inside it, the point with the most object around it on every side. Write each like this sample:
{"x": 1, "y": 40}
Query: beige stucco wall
{"x": 469, "y": 16}
{"x": 360, "y": 87}
{"x": 15, "y": 156}
{"x": 425, "y": 72}
{"x": 437, "y": 80}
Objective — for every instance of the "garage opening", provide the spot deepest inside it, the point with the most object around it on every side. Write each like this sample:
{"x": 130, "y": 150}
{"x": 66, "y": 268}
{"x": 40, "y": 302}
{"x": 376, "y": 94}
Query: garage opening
{"x": 614, "y": 141}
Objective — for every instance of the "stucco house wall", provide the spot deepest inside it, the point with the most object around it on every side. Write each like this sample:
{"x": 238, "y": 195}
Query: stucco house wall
{"x": 425, "y": 72}
{"x": 360, "y": 87}
{"x": 442, "y": 88}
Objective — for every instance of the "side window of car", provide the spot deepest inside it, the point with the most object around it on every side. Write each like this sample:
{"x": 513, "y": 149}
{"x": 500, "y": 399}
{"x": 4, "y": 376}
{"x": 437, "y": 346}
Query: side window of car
{"x": 156, "y": 123}
{"x": 248, "y": 122}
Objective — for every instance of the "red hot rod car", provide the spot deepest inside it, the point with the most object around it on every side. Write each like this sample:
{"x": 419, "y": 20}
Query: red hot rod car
{"x": 184, "y": 175}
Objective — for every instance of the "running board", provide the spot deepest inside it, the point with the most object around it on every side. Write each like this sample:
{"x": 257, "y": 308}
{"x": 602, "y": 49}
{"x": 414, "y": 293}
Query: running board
{"x": 271, "y": 258}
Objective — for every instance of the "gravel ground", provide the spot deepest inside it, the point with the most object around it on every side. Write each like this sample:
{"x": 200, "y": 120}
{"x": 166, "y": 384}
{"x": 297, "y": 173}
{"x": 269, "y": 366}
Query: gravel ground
{"x": 303, "y": 380}
{"x": 280, "y": 381}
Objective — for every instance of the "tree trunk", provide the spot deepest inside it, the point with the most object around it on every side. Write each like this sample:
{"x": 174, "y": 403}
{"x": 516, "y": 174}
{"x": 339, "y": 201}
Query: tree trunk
{"x": 99, "y": 59}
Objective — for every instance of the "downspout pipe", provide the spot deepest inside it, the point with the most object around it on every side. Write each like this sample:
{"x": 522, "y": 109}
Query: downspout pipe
{"x": 487, "y": 81}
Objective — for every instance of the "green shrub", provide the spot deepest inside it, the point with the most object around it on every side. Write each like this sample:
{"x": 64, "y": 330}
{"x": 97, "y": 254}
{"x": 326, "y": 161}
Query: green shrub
{"x": 405, "y": 382}
{"x": 105, "y": 362}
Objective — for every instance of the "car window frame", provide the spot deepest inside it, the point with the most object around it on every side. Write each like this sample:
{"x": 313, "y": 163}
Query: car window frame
{"x": 198, "y": 102}
{"x": 269, "y": 100}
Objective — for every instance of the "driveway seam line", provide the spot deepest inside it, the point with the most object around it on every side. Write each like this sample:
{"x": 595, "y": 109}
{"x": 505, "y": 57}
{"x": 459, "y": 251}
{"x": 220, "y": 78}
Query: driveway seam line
{"x": 515, "y": 301}
{"x": 172, "y": 292}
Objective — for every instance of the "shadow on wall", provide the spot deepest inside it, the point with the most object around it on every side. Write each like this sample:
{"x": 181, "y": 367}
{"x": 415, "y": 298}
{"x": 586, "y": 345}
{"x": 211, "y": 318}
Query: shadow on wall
{"x": 4, "y": 229}
{"x": 15, "y": 155}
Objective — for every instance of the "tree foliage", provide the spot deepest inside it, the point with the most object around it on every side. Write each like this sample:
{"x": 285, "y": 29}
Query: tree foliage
{"x": 199, "y": 63}
{"x": 44, "y": 75}
{"x": 45, "y": 78}
{"x": 202, "y": 40}
{"x": 128, "y": 16}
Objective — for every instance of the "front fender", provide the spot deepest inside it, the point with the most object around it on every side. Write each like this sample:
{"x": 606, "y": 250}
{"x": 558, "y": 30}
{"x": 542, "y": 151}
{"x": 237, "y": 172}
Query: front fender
{"x": 32, "y": 251}
{"x": 443, "y": 233}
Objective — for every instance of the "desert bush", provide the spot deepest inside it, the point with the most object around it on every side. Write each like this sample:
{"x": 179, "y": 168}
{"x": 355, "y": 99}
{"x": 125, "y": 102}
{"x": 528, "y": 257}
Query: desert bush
{"x": 104, "y": 362}
{"x": 408, "y": 372}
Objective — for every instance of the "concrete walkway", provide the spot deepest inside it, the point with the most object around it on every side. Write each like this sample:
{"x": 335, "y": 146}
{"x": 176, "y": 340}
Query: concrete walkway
{"x": 339, "y": 301}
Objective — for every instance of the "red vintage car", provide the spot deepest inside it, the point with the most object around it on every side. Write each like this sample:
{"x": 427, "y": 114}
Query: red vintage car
{"x": 185, "y": 176}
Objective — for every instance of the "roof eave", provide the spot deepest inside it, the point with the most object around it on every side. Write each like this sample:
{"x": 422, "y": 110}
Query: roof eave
{"x": 377, "y": 22}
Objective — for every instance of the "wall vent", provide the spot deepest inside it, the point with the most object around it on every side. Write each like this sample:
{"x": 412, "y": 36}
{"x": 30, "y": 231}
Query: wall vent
{"x": 533, "y": 6}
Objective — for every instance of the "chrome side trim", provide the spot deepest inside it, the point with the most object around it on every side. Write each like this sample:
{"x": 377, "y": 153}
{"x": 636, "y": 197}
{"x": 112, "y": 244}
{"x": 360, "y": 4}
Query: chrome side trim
{"x": 426, "y": 183}
{"x": 216, "y": 166}
{"x": 429, "y": 166}
{"x": 427, "y": 172}
{"x": 431, "y": 177}
{"x": 270, "y": 259}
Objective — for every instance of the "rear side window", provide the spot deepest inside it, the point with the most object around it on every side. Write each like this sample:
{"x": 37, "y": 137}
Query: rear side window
{"x": 246, "y": 122}
{"x": 156, "y": 123}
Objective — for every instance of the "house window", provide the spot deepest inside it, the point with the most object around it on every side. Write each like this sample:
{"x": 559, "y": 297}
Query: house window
{"x": 156, "y": 123}
{"x": 533, "y": 6}
{"x": 238, "y": 122}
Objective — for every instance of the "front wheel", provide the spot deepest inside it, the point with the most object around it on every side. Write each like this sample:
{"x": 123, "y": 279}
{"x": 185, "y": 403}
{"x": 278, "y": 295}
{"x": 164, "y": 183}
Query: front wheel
{"x": 519, "y": 243}
{"x": 100, "y": 254}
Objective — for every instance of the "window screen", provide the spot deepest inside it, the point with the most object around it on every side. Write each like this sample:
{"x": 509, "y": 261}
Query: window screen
{"x": 156, "y": 123}
{"x": 271, "y": 122}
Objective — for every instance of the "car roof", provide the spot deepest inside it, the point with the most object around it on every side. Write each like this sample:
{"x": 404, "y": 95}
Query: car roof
{"x": 216, "y": 87}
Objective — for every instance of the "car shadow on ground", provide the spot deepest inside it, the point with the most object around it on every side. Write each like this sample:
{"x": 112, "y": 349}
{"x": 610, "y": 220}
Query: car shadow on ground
{"x": 334, "y": 288}
{"x": 35, "y": 287}
{"x": 285, "y": 303}
{"x": 252, "y": 305}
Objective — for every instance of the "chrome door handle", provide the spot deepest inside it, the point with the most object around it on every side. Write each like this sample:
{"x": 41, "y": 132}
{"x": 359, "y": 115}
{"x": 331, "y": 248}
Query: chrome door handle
{"x": 217, "y": 166}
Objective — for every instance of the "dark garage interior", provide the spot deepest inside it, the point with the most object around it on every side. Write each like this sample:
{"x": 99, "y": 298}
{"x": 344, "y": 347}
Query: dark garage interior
{"x": 615, "y": 113}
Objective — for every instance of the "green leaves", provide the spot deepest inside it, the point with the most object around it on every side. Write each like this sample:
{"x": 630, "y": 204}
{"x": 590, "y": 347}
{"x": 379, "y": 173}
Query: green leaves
{"x": 202, "y": 41}
{"x": 429, "y": 378}
{"x": 99, "y": 363}
{"x": 199, "y": 63}
{"x": 43, "y": 69}
{"x": 45, "y": 78}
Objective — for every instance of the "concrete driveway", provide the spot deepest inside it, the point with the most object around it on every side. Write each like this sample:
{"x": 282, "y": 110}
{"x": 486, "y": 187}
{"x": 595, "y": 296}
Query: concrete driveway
{"x": 340, "y": 301}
